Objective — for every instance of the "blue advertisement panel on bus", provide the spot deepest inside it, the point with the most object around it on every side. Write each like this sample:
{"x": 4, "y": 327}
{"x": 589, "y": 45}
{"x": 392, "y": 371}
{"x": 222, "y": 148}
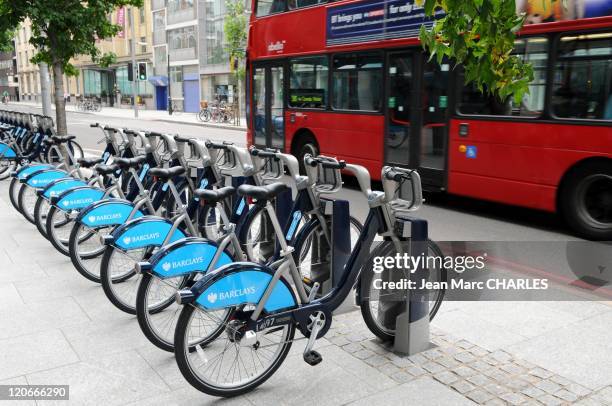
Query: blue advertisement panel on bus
{"x": 388, "y": 19}
{"x": 375, "y": 20}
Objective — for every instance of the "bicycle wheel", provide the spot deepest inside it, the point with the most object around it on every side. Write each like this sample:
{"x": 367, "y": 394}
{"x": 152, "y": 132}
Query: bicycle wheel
{"x": 27, "y": 201}
{"x": 14, "y": 189}
{"x": 76, "y": 149}
{"x": 257, "y": 235}
{"x": 210, "y": 223}
{"x": 119, "y": 281}
{"x": 380, "y": 307}
{"x": 52, "y": 155}
{"x": 41, "y": 210}
{"x": 86, "y": 248}
{"x": 312, "y": 253}
{"x": 6, "y": 167}
{"x": 223, "y": 367}
{"x": 156, "y": 309}
{"x": 59, "y": 226}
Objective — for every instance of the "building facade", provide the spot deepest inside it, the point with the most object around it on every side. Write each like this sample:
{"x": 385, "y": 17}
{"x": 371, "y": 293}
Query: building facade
{"x": 111, "y": 85}
{"x": 9, "y": 82}
{"x": 190, "y": 56}
{"x": 28, "y": 75}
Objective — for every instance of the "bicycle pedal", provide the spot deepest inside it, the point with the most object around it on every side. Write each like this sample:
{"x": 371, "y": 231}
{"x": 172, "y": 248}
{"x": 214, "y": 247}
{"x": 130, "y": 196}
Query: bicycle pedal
{"x": 312, "y": 358}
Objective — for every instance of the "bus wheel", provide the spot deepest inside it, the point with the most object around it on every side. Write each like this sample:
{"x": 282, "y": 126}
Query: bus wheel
{"x": 586, "y": 201}
{"x": 306, "y": 144}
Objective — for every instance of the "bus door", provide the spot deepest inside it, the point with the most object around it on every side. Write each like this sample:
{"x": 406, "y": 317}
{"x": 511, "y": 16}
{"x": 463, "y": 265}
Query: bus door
{"x": 268, "y": 105}
{"x": 416, "y": 115}
{"x": 433, "y": 123}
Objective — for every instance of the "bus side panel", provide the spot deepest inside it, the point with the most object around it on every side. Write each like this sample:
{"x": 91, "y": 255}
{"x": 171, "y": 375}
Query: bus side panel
{"x": 354, "y": 137}
{"x": 517, "y": 162}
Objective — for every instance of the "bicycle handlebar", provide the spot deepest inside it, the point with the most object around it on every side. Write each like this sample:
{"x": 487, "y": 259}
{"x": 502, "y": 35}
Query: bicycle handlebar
{"x": 216, "y": 145}
{"x": 267, "y": 153}
{"x": 310, "y": 161}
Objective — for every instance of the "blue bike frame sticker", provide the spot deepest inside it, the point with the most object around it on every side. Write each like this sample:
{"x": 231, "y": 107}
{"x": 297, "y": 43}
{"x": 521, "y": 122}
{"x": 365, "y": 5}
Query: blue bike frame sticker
{"x": 143, "y": 171}
{"x": 6, "y": 151}
{"x": 112, "y": 213}
{"x": 203, "y": 184}
{"x": 146, "y": 233}
{"x": 79, "y": 198}
{"x": 42, "y": 179}
{"x": 188, "y": 258}
{"x": 297, "y": 216}
{"x": 105, "y": 157}
{"x": 28, "y": 170}
{"x": 241, "y": 206}
{"x": 245, "y": 287}
{"x": 60, "y": 186}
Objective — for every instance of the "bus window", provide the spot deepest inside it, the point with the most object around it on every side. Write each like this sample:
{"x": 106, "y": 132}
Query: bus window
{"x": 293, "y": 4}
{"x": 582, "y": 86}
{"x": 308, "y": 82}
{"x": 531, "y": 50}
{"x": 357, "y": 82}
{"x": 267, "y": 7}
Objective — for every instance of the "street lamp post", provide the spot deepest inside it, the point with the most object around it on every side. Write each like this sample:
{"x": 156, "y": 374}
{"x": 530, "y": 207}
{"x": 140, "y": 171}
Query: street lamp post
{"x": 134, "y": 70}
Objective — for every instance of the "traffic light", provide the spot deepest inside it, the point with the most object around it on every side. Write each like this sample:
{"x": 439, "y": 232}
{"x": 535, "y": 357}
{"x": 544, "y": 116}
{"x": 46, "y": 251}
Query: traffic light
{"x": 142, "y": 71}
{"x": 130, "y": 72}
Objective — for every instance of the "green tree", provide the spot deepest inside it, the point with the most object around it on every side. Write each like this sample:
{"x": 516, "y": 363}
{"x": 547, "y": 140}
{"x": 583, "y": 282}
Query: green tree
{"x": 479, "y": 35}
{"x": 235, "y": 31}
{"x": 61, "y": 30}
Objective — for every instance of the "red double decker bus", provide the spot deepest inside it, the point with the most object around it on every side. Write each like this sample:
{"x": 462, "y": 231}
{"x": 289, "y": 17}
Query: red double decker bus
{"x": 350, "y": 79}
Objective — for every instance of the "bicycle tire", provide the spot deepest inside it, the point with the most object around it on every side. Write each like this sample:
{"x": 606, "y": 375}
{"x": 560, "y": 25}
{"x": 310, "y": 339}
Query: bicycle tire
{"x": 77, "y": 150}
{"x": 61, "y": 245}
{"x": 366, "y": 276}
{"x": 303, "y": 239}
{"x": 14, "y": 188}
{"x": 78, "y": 259}
{"x": 183, "y": 350}
{"x": 144, "y": 312}
{"x": 27, "y": 207}
{"x": 108, "y": 280}
{"x": 6, "y": 167}
{"x": 41, "y": 210}
{"x": 247, "y": 236}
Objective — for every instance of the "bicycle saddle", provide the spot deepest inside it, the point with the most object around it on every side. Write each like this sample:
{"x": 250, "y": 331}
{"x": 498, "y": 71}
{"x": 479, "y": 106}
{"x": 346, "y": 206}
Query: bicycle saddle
{"x": 126, "y": 163}
{"x": 89, "y": 162}
{"x": 106, "y": 169}
{"x": 62, "y": 139}
{"x": 167, "y": 173}
{"x": 262, "y": 192}
{"x": 215, "y": 196}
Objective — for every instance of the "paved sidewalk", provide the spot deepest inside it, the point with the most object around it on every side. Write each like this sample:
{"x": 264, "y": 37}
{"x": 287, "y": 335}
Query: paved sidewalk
{"x": 58, "y": 328}
{"x": 151, "y": 115}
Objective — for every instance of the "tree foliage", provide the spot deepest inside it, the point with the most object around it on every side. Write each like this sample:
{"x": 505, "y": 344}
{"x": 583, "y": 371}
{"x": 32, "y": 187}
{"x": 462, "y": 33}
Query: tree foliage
{"x": 480, "y": 35}
{"x": 61, "y": 30}
{"x": 235, "y": 30}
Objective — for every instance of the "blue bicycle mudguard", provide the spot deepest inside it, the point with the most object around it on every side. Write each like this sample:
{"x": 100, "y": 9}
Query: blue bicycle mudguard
{"x": 242, "y": 283}
{"x": 25, "y": 171}
{"x": 143, "y": 232}
{"x": 107, "y": 212}
{"x": 184, "y": 256}
{"x": 77, "y": 198}
{"x": 7, "y": 152}
{"x": 42, "y": 178}
{"x": 59, "y": 186}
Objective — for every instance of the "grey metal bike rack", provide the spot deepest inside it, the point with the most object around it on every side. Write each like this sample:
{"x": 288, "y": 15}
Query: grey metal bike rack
{"x": 412, "y": 324}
